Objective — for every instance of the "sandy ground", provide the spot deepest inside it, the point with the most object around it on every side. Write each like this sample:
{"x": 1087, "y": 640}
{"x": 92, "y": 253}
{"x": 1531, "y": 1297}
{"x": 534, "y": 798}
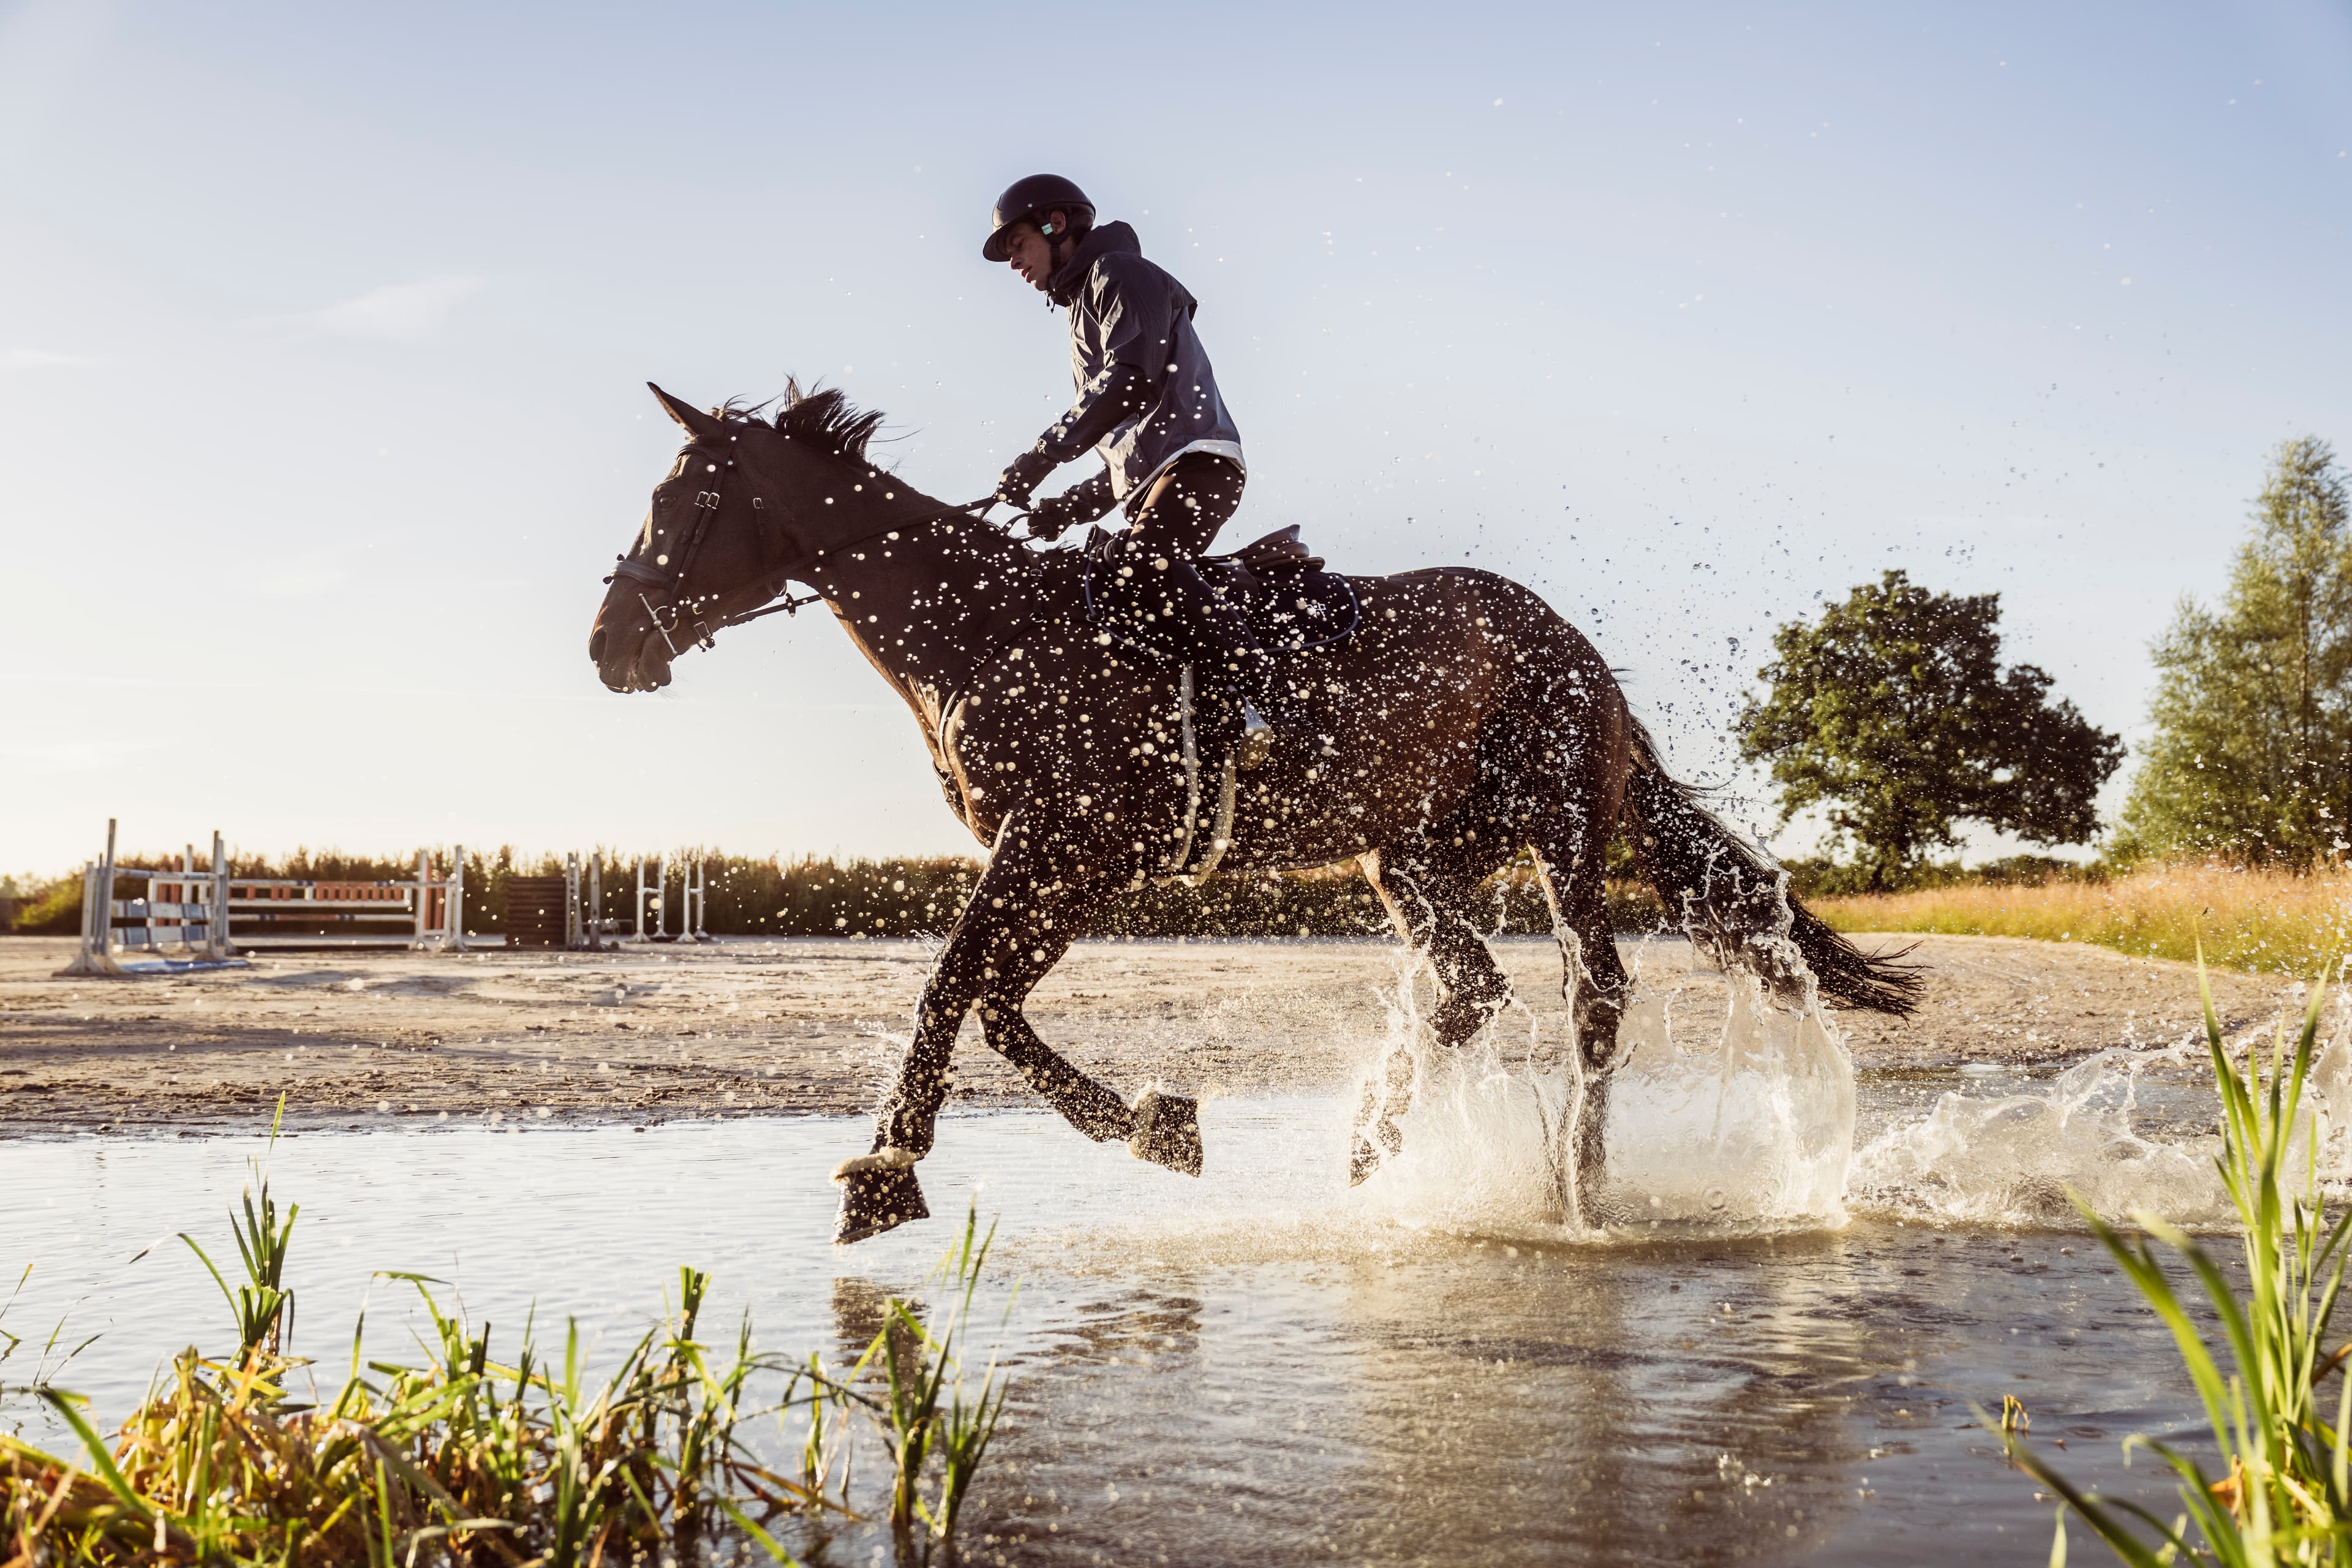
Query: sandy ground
{"x": 776, "y": 1028}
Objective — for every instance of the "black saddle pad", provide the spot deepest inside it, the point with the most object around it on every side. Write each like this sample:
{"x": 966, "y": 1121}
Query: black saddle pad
{"x": 1290, "y": 602}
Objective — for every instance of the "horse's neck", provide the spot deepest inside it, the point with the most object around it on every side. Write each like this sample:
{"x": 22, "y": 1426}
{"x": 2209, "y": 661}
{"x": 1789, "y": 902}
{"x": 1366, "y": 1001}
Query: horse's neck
{"x": 921, "y": 601}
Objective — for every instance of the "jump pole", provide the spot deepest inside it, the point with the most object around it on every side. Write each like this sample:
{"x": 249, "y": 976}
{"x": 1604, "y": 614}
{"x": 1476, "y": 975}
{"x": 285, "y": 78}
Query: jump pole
{"x": 450, "y": 935}
{"x": 98, "y": 916}
{"x": 217, "y": 944}
{"x": 572, "y": 899}
{"x": 596, "y": 899}
{"x": 423, "y": 872}
{"x": 106, "y": 904}
{"x": 698, "y": 902}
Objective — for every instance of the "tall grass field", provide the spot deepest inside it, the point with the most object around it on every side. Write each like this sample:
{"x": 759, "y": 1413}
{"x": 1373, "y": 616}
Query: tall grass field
{"x": 2262, "y": 922}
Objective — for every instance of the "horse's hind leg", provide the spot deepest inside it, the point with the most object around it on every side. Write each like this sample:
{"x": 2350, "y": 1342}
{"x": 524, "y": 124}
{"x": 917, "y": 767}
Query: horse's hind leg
{"x": 1429, "y": 898}
{"x": 1572, "y": 863}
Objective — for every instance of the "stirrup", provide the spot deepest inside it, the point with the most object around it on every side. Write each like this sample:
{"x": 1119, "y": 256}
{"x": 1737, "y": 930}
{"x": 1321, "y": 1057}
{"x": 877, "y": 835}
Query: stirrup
{"x": 1257, "y": 738}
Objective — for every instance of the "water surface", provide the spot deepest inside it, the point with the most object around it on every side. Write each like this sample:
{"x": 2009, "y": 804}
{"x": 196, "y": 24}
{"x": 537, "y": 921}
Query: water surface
{"x": 1256, "y": 1367}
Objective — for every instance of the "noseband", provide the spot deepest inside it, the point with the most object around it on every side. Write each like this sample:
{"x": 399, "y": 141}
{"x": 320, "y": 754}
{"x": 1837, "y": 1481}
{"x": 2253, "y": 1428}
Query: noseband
{"x": 681, "y": 565}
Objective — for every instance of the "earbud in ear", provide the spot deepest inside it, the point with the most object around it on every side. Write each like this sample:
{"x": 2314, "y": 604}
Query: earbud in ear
{"x": 1046, "y": 228}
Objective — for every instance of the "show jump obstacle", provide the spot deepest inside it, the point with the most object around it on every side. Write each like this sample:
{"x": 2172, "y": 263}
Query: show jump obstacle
{"x": 131, "y": 936}
{"x": 171, "y": 926}
{"x": 694, "y": 901}
{"x": 183, "y": 920}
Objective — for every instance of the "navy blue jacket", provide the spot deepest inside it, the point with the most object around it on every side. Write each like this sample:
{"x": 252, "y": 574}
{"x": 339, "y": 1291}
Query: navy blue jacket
{"x": 1146, "y": 392}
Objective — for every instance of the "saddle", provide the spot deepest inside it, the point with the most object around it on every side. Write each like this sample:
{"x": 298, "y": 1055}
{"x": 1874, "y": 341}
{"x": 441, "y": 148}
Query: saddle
{"x": 1292, "y": 605}
{"x": 1290, "y": 602}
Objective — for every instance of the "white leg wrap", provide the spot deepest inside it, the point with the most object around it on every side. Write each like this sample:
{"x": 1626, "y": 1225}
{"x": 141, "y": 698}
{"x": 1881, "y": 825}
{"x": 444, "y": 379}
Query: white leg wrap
{"x": 884, "y": 1159}
{"x": 1146, "y": 1110}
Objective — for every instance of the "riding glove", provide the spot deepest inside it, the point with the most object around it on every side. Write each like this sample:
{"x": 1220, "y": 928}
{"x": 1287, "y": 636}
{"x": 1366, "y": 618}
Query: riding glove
{"x": 1079, "y": 503}
{"x": 1022, "y": 476}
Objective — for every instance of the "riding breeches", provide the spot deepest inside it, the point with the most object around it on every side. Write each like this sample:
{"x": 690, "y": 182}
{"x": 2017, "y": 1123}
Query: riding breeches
{"x": 1180, "y": 514}
{"x": 1193, "y": 498}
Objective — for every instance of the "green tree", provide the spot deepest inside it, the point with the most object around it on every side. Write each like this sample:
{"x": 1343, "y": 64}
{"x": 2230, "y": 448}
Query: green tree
{"x": 2252, "y": 757}
{"x": 1894, "y": 714}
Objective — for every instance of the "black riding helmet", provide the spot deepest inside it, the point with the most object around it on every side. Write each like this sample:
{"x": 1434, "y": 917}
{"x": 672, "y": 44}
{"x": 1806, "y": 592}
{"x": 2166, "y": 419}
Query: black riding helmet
{"x": 1025, "y": 200}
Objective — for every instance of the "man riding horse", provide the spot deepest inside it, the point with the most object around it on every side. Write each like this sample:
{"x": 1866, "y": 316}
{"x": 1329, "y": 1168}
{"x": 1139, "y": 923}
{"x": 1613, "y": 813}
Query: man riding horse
{"x": 1455, "y": 723}
{"x": 1148, "y": 401}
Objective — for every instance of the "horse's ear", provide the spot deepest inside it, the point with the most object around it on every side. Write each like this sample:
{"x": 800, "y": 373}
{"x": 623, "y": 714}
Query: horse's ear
{"x": 696, "y": 422}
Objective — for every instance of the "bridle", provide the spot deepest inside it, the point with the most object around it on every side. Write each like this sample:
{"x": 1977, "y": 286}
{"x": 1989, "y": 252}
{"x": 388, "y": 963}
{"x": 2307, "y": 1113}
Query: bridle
{"x": 669, "y": 571}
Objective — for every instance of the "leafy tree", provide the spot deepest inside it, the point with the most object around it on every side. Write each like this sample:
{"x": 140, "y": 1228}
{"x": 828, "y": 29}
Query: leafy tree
{"x": 1894, "y": 713}
{"x": 2252, "y": 757}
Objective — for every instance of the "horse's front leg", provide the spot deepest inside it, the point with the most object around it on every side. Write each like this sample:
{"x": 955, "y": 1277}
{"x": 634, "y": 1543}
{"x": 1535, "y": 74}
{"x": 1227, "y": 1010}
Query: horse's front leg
{"x": 1161, "y": 1127}
{"x": 879, "y": 1189}
{"x": 1009, "y": 934}
{"x": 1086, "y": 1105}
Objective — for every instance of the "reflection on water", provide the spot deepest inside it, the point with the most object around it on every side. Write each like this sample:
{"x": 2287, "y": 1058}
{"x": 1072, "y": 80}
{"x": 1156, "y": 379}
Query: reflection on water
{"x": 1260, "y": 1366}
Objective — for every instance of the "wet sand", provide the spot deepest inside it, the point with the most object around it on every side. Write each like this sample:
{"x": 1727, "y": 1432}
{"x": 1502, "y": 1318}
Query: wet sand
{"x": 774, "y": 1028}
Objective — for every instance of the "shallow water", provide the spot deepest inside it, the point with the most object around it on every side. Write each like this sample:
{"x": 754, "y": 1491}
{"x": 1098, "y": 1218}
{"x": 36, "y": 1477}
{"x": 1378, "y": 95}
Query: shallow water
{"x": 1808, "y": 1280}
{"x": 1258, "y": 1367}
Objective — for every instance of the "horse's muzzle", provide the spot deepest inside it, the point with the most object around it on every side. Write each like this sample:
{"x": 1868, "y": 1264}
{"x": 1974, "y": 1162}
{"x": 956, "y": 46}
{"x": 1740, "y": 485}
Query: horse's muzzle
{"x": 629, "y": 658}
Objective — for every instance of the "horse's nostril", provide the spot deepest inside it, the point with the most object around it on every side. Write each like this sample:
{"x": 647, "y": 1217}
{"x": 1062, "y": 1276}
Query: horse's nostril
{"x": 596, "y": 645}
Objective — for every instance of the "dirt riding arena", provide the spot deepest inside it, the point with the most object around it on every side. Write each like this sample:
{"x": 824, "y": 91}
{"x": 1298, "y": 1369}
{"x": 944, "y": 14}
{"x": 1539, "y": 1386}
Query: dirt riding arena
{"x": 745, "y": 1027}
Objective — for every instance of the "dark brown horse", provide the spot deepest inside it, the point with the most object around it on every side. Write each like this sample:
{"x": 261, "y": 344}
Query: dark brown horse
{"x": 1462, "y": 722}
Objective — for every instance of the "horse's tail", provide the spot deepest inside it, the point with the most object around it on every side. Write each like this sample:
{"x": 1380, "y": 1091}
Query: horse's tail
{"x": 1735, "y": 903}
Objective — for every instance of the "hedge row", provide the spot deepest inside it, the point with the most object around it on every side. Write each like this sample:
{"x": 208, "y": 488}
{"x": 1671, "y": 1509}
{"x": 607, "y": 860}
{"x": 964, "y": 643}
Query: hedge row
{"x": 814, "y": 897}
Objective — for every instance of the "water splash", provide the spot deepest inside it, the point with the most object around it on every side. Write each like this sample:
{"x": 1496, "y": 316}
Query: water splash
{"x": 2011, "y": 1159}
{"x": 1726, "y": 1109}
{"x": 1733, "y": 1112}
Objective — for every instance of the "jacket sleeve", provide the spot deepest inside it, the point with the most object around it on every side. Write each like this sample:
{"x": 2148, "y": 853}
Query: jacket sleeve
{"x": 1090, "y": 499}
{"x": 1131, "y": 298}
{"x": 1104, "y": 404}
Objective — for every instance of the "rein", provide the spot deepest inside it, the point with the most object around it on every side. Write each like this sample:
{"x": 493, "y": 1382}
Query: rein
{"x": 707, "y": 504}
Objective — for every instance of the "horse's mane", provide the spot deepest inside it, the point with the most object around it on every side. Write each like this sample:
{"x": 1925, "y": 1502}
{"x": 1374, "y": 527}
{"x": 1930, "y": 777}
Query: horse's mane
{"x": 827, "y": 420}
{"x": 824, "y": 418}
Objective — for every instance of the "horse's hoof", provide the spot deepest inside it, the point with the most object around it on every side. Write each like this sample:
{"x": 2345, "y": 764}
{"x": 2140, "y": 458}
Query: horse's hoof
{"x": 1167, "y": 1131}
{"x": 875, "y": 1199}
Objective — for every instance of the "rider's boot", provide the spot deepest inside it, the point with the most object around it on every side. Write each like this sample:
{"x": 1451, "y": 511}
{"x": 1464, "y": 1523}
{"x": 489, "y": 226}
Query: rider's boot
{"x": 1221, "y": 635}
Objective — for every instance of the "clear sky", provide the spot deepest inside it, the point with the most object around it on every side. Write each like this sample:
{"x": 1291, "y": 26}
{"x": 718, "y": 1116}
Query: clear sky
{"x": 323, "y": 334}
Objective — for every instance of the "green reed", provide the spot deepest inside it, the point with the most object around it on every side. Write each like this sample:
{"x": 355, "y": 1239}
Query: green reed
{"x": 929, "y": 1425}
{"x": 263, "y": 1307}
{"x": 460, "y": 1456}
{"x": 2282, "y": 1495}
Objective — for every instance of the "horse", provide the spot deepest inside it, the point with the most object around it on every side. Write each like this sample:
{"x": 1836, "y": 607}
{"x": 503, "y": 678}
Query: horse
{"x": 1463, "y": 723}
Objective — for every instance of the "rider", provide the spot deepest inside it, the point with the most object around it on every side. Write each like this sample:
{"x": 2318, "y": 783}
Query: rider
{"x": 1147, "y": 401}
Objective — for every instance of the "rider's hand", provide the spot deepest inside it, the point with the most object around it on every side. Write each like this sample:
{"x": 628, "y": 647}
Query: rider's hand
{"x": 1022, "y": 477}
{"x": 1051, "y": 516}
